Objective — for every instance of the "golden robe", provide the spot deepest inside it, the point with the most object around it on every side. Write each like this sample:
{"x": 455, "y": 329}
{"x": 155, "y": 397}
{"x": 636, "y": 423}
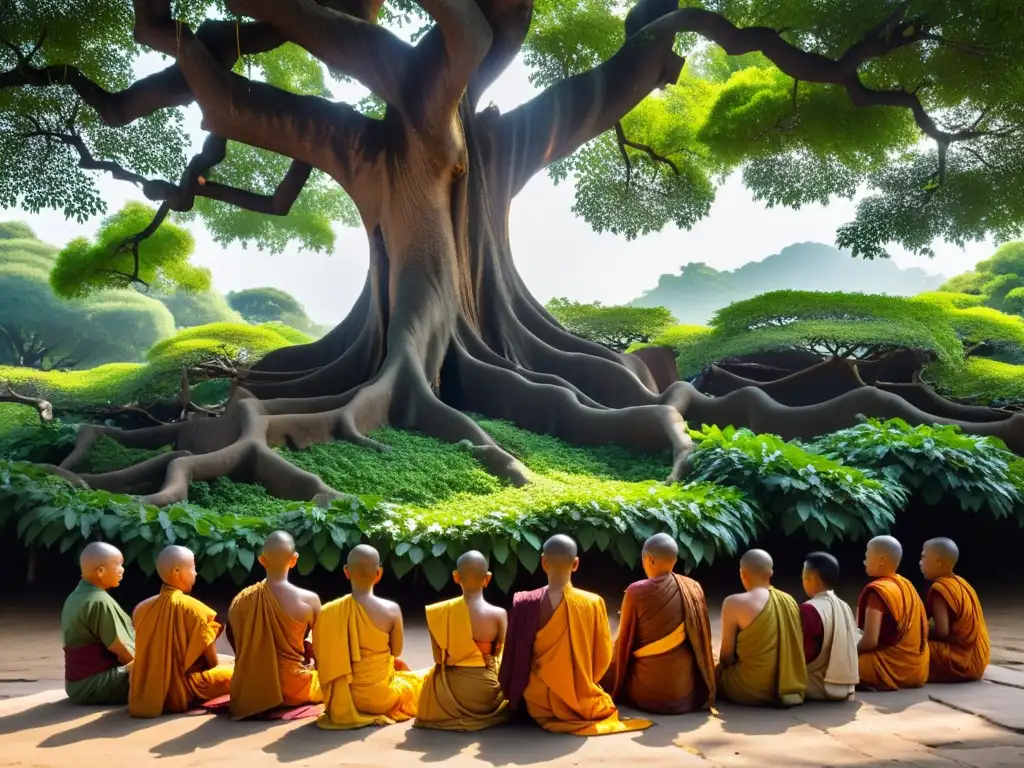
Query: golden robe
{"x": 570, "y": 654}
{"x": 170, "y": 673}
{"x": 904, "y": 663}
{"x": 270, "y": 660}
{"x": 461, "y": 692}
{"x": 965, "y": 654}
{"x": 770, "y": 668}
{"x": 357, "y": 670}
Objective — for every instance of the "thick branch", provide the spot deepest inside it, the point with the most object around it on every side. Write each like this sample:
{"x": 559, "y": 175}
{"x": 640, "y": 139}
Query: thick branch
{"x": 509, "y": 21}
{"x": 370, "y": 53}
{"x": 166, "y": 88}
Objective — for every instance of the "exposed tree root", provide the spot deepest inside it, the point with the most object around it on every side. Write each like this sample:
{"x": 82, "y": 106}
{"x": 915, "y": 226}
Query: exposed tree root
{"x": 43, "y": 407}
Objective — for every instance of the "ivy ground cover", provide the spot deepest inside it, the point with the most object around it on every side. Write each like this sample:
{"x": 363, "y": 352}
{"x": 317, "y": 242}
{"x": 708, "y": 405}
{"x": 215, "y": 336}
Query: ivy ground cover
{"x": 424, "y": 503}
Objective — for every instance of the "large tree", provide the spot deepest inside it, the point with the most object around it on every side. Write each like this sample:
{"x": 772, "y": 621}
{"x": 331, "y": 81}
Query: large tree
{"x": 920, "y": 100}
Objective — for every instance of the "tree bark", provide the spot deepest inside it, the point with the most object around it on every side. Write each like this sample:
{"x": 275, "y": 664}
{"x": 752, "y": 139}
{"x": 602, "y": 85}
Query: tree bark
{"x": 444, "y": 323}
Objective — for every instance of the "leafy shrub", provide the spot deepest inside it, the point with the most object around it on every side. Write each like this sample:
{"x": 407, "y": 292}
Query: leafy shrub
{"x": 616, "y": 327}
{"x": 804, "y": 490}
{"x": 107, "y": 455}
{"x": 939, "y": 462}
{"x": 984, "y": 380}
{"x": 39, "y": 443}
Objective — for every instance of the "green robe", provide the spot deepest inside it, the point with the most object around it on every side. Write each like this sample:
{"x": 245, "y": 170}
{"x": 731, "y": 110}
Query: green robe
{"x": 89, "y": 616}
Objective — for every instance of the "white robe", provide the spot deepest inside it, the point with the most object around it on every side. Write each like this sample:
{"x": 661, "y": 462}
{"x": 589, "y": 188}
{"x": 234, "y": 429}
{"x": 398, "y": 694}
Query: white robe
{"x": 833, "y": 675}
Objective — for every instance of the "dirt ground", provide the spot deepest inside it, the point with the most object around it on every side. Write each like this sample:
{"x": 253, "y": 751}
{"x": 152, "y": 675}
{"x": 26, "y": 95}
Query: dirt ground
{"x": 980, "y": 724}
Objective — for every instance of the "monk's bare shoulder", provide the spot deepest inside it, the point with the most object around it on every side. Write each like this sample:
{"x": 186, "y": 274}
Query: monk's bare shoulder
{"x": 312, "y": 599}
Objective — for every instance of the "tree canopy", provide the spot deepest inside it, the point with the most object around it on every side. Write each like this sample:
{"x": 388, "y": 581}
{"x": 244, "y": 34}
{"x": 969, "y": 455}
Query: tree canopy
{"x": 191, "y": 309}
{"x": 267, "y": 305}
{"x": 39, "y": 330}
{"x": 615, "y": 327}
{"x": 998, "y": 281}
{"x": 920, "y": 102}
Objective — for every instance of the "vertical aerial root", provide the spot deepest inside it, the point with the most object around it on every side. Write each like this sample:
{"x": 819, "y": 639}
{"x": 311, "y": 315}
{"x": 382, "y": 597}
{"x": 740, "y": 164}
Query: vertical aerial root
{"x": 547, "y": 409}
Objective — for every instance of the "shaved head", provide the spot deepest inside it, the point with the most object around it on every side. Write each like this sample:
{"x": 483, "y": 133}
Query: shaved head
{"x": 363, "y": 560}
{"x": 172, "y": 557}
{"x": 278, "y": 552}
{"x": 888, "y": 547}
{"x": 102, "y": 564}
{"x": 757, "y": 562}
{"x": 472, "y": 565}
{"x": 945, "y": 549}
{"x": 98, "y": 553}
{"x": 661, "y": 546}
{"x": 560, "y": 551}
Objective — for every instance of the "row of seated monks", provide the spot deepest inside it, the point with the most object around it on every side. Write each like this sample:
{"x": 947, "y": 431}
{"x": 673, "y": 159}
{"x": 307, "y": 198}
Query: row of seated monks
{"x": 552, "y": 659}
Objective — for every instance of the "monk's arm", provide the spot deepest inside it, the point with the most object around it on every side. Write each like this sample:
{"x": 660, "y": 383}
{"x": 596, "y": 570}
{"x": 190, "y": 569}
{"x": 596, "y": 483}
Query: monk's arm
{"x": 123, "y": 654}
{"x": 397, "y": 637}
{"x": 872, "y": 628}
{"x": 940, "y": 613}
{"x": 730, "y": 627}
{"x": 106, "y": 626}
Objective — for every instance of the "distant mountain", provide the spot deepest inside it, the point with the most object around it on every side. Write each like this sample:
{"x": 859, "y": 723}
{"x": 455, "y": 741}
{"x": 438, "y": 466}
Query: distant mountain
{"x": 698, "y": 290}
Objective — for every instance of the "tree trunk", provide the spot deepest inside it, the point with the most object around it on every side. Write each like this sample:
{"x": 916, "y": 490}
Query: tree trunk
{"x": 444, "y": 324}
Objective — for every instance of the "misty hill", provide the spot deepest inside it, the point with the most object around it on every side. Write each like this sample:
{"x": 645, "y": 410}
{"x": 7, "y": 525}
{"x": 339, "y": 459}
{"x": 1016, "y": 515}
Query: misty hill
{"x": 698, "y": 290}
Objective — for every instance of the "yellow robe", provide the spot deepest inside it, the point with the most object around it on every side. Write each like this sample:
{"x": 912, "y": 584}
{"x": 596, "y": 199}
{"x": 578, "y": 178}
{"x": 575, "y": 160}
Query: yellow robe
{"x": 965, "y": 654}
{"x": 904, "y": 664}
{"x": 172, "y": 633}
{"x": 270, "y": 662}
{"x": 461, "y": 692}
{"x": 570, "y": 654}
{"x": 357, "y": 670}
{"x": 770, "y": 667}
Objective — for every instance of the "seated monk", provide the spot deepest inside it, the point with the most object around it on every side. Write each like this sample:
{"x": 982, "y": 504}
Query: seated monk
{"x": 557, "y": 648}
{"x": 958, "y": 644}
{"x": 267, "y": 627}
{"x": 176, "y": 664}
{"x": 894, "y": 647}
{"x": 356, "y": 642}
{"x": 461, "y": 692}
{"x": 99, "y": 644}
{"x": 663, "y": 662}
{"x": 762, "y": 657}
{"x": 830, "y": 633}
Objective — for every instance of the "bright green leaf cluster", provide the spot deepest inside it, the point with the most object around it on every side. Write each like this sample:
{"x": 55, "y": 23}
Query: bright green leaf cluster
{"x": 616, "y": 327}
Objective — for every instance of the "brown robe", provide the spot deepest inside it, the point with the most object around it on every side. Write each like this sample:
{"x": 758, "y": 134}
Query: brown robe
{"x": 679, "y": 680}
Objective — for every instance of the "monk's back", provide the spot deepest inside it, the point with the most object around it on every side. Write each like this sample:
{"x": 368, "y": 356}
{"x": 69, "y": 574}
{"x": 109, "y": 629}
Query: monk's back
{"x": 488, "y": 621}
{"x": 748, "y": 606}
{"x": 381, "y": 612}
{"x": 296, "y": 602}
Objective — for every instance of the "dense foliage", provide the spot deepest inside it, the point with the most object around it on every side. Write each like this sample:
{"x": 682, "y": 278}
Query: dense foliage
{"x": 424, "y": 502}
{"x": 269, "y": 305}
{"x": 39, "y": 330}
{"x": 191, "y": 309}
{"x": 615, "y": 327}
{"x": 699, "y": 290}
{"x": 795, "y": 138}
{"x": 998, "y": 281}
{"x": 944, "y": 326}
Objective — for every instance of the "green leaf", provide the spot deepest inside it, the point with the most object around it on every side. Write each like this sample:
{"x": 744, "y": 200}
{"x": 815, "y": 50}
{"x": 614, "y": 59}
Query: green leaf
{"x": 320, "y": 540}
{"x": 696, "y": 548}
{"x": 528, "y": 557}
{"x": 339, "y": 537}
{"x": 402, "y": 547}
{"x": 307, "y": 562}
{"x": 436, "y": 573}
{"x": 330, "y": 557}
{"x": 603, "y": 539}
{"x": 586, "y": 535}
{"x": 439, "y": 548}
{"x": 532, "y": 539}
{"x": 629, "y": 549}
{"x": 401, "y": 566}
{"x": 208, "y": 570}
{"x": 246, "y": 558}
{"x": 500, "y": 550}
{"x": 70, "y": 519}
{"x": 416, "y": 555}
{"x": 505, "y": 574}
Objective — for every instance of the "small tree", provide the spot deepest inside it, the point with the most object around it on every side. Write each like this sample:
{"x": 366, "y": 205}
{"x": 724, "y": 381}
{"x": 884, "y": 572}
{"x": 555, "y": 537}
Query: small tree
{"x": 39, "y": 330}
{"x": 269, "y": 305}
{"x": 998, "y": 280}
{"x": 616, "y": 327}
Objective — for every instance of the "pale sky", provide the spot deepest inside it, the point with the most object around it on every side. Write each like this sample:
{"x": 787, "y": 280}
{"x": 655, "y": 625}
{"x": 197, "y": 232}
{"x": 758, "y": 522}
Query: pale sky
{"x": 557, "y": 253}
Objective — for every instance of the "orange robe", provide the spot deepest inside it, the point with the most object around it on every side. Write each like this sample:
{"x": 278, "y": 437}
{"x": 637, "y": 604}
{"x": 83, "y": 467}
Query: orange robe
{"x": 965, "y": 654}
{"x": 663, "y": 662}
{"x": 903, "y": 663}
{"x": 170, "y": 673}
{"x": 461, "y": 692}
{"x": 270, "y": 659}
{"x": 570, "y": 654}
{"x": 357, "y": 670}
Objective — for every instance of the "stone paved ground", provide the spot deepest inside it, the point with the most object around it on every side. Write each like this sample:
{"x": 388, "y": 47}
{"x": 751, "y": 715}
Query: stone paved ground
{"x": 980, "y": 724}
